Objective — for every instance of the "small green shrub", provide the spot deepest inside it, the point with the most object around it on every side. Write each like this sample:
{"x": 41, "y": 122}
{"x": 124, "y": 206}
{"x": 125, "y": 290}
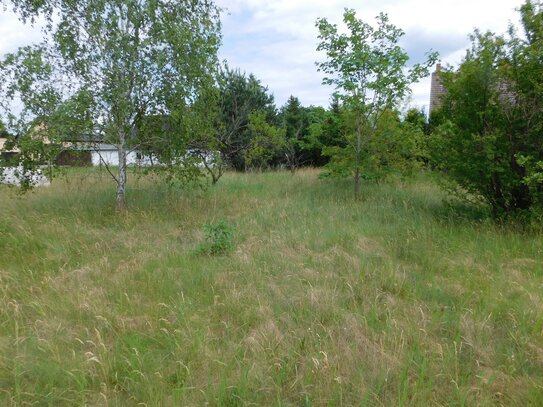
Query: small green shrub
{"x": 218, "y": 238}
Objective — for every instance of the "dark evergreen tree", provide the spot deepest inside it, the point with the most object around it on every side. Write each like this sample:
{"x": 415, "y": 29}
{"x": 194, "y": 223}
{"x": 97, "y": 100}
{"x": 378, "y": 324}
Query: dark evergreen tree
{"x": 295, "y": 121}
{"x": 240, "y": 96}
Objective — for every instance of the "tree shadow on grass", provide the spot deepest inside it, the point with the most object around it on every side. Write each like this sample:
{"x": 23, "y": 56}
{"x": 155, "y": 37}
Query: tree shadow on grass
{"x": 453, "y": 210}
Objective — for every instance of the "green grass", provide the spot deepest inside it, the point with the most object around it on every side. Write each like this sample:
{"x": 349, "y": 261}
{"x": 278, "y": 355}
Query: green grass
{"x": 397, "y": 299}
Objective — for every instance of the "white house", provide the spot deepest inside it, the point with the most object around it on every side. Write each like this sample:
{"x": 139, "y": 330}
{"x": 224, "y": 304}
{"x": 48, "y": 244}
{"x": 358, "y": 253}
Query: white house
{"x": 108, "y": 154}
{"x": 84, "y": 153}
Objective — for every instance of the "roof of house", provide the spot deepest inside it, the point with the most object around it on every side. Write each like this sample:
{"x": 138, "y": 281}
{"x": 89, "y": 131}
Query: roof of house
{"x": 80, "y": 145}
{"x": 86, "y": 146}
{"x": 2, "y": 143}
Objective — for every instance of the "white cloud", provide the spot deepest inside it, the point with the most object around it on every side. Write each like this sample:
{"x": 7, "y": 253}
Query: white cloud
{"x": 276, "y": 39}
{"x": 15, "y": 34}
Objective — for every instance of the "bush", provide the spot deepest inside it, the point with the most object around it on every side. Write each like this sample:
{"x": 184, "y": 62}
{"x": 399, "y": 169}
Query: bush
{"x": 218, "y": 238}
{"x": 489, "y": 143}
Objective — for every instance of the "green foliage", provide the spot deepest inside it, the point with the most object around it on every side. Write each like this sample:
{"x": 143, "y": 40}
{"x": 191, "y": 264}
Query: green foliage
{"x": 368, "y": 68}
{"x": 28, "y": 74}
{"x": 416, "y": 119}
{"x": 267, "y": 141}
{"x": 294, "y": 119}
{"x": 393, "y": 147}
{"x": 324, "y": 131}
{"x": 209, "y": 131}
{"x": 534, "y": 181}
{"x": 218, "y": 238}
{"x": 241, "y": 96}
{"x": 415, "y": 129}
{"x": 224, "y": 137}
{"x": 308, "y": 131}
{"x": 489, "y": 143}
{"x": 106, "y": 68}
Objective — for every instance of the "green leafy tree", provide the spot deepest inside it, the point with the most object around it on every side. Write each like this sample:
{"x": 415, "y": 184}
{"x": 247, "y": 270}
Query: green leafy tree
{"x": 267, "y": 141}
{"x": 324, "y": 131}
{"x": 312, "y": 143}
{"x": 224, "y": 136}
{"x": 490, "y": 142}
{"x": 394, "y": 148}
{"x": 415, "y": 129}
{"x": 295, "y": 121}
{"x": 3, "y": 129}
{"x": 368, "y": 69}
{"x": 209, "y": 133}
{"x": 117, "y": 62}
{"x": 239, "y": 97}
{"x": 416, "y": 118}
{"x": 28, "y": 76}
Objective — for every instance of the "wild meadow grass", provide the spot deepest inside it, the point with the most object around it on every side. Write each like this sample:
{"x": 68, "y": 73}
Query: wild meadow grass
{"x": 396, "y": 299}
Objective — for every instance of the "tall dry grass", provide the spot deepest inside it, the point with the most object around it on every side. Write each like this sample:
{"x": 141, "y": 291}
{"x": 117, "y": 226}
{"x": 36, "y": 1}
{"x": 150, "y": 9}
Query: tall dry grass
{"x": 397, "y": 299}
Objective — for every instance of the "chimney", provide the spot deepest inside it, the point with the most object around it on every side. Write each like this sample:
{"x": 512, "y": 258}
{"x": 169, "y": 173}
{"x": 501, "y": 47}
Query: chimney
{"x": 437, "y": 90}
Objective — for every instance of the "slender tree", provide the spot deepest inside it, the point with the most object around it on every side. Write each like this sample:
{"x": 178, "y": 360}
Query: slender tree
{"x": 368, "y": 69}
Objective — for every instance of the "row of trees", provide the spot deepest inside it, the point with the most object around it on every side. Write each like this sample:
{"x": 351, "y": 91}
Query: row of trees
{"x": 144, "y": 75}
{"x": 487, "y": 138}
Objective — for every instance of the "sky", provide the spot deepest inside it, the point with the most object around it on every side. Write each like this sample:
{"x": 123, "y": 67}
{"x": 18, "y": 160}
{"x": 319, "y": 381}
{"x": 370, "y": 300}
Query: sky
{"x": 276, "y": 40}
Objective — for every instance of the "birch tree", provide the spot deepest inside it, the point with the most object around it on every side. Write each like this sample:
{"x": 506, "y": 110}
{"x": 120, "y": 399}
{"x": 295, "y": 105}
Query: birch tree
{"x": 130, "y": 59}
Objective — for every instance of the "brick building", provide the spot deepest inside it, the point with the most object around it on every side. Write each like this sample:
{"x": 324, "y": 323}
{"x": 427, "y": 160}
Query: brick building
{"x": 506, "y": 94}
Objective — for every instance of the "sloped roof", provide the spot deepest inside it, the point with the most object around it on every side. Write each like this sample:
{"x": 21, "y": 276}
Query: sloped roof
{"x": 2, "y": 143}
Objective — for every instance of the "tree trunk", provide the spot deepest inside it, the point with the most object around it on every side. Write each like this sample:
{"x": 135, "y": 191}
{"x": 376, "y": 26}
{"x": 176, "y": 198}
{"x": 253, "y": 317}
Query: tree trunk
{"x": 121, "y": 179}
{"x": 521, "y": 196}
{"x": 357, "y": 183}
{"x": 358, "y": 152}
{"x": 50, "y": 164}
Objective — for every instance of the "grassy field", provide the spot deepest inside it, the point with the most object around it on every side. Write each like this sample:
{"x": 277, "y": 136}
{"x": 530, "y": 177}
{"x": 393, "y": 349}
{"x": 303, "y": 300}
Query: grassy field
{"x": 398, "y": 299}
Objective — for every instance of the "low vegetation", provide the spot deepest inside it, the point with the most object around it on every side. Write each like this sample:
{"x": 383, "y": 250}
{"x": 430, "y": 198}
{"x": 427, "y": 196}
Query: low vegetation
{"x": 268, "y": 288}
{"x": 395, "y": 299}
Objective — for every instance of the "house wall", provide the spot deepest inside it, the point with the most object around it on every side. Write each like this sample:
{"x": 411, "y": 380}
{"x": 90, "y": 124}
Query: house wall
{"x": 3, "y": 141}
{"x": 111, "y": 157}
{"x": 437, "y": 90}
{"x": 105, "y": 157}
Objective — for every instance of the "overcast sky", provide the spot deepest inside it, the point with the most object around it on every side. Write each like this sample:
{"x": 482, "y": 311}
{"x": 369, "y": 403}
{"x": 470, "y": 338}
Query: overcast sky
{"x": 276, "y": 39}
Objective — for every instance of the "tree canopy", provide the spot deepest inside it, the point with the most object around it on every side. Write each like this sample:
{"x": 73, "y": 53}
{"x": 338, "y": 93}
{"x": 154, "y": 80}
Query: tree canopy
{"x": 490, "y": 141}
{"x": 111, "y": 64}
{"x": 368, "y": 68}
